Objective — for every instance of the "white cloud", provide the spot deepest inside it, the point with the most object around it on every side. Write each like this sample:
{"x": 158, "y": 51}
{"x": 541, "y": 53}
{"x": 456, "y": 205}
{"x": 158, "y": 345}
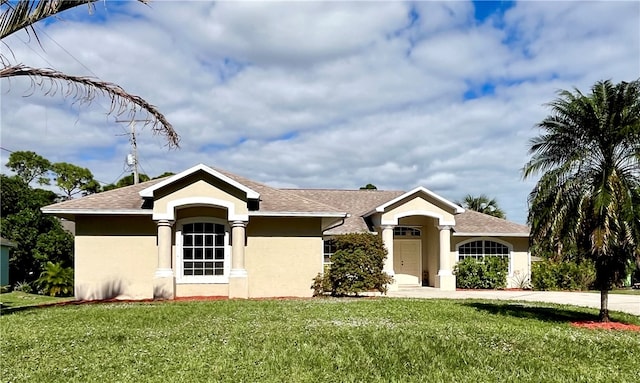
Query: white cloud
{"x": 325, "y": 94}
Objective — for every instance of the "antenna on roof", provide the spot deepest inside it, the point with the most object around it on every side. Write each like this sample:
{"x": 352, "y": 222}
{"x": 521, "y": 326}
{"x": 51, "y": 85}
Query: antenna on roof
{"x": 132, "y": 158}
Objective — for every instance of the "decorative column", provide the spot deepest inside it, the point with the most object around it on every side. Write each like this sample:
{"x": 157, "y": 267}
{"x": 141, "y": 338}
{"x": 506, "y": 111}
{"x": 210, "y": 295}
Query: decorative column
{"x": 238, "y": 283}
{"x": 164, "y": 282}
{"x": 387, "y": 239}
{"x": 446, "y": 280}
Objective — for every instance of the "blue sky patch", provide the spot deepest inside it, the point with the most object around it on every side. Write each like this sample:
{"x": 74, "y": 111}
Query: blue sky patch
{"x": 484, "y": 10}
{"x": 287, "y": 136}
{"x": 229, "y": 68}
{"x": 478, "y": 91}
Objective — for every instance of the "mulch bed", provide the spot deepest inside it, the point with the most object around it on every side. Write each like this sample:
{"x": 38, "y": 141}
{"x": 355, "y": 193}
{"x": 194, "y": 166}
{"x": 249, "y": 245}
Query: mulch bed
{"x": 606, "y": 325}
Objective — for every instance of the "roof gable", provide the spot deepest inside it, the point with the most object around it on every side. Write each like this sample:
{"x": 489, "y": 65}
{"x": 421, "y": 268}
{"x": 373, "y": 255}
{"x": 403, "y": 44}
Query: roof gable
{"x": 455, "y": 209}
{"x": 149, "y": 191}
{"x": 129, "y": 200}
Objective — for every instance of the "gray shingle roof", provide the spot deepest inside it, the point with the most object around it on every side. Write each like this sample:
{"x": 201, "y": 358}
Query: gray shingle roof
{"x": 356, "y": 202}
{"x": 281, "y": 200}
{"x": 318, "y": 201}
{"x": 124, "y": 199}
{"x": 472, "y": 222}
{"x": 128, "y": 200}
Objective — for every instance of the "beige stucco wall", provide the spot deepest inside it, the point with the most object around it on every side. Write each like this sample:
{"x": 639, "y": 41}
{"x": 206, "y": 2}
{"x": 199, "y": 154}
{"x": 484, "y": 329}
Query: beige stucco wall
{"x": 191, "y": 188}
{"x": 201, "y": 211}
{"x": 432, "y": 252}
{"x": 202, "y": 290}
{"x": 519, "y": 256}
{"x": 115, "y": 257}
{"x": 417, "y": 203}
{"x": 282, "y": 256}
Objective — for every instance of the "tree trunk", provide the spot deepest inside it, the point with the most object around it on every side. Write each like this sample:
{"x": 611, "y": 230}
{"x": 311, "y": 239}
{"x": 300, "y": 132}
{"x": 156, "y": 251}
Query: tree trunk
{"x": 604, "y": 305}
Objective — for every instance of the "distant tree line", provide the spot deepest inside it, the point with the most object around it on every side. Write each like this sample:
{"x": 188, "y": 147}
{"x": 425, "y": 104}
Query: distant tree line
{"x": 43, "y": 244}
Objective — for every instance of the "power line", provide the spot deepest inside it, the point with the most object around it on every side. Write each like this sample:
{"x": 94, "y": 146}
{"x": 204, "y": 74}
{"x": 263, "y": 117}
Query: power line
{"x": 66, "y": 51}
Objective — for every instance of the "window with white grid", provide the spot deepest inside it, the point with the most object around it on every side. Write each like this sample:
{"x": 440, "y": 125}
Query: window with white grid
{"x": 481, "y": 249}
{"x": 329, "y": 249}
{"x": 203, "y": 254}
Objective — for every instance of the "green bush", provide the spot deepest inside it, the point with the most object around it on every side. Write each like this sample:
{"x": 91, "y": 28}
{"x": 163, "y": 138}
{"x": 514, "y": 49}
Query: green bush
{"x": 56, "y": 280}
{"x": 24, "y": 287}
{"x": 563, "y": 275}
{"x": 356, "y": 267}
{"x": 491, "y": 273}
{"x": 321, "y": 283}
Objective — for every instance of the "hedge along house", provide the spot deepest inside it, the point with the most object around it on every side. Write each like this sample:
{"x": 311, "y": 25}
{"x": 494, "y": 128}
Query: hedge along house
{"x": 207, "y": 232}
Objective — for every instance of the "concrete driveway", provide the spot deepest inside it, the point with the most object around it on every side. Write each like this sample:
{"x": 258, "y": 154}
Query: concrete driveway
{"x": 617, "y": 302}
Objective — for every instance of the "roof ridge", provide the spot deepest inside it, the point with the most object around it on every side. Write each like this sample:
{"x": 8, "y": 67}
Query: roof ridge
{"x": 240, "y": 179}
{"x": 346, "y": 190}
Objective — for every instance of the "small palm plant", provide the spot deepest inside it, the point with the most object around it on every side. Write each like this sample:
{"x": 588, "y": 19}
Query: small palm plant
{"x": 56, "y": 280}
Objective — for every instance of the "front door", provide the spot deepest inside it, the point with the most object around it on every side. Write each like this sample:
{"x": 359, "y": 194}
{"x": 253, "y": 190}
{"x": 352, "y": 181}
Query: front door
{"x": 407, "y": 261}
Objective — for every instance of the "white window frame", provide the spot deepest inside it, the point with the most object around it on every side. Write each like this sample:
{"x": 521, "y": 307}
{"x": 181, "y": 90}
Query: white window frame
{"x": 208, "y": 279}
{"x": 489, "y": 239}
{"x": 414, "y": 229}
{"x": 324, "y": 253}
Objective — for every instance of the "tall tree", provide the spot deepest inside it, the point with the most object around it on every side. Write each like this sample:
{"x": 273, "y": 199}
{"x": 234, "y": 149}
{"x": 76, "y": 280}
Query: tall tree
{"x": 482, "y": 204}
{"x": 29, "y": 166}
{"x": 40, "y": 238}
{"x": 125, "y": 181}
{"x": 23, "y": 14}
{"x": 72, "y": 179}
{"x": 589, "y": 154}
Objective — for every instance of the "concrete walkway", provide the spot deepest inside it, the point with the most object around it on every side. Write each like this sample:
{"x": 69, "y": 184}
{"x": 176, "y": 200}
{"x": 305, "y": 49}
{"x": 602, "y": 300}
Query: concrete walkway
{"x": 617, "y": 302}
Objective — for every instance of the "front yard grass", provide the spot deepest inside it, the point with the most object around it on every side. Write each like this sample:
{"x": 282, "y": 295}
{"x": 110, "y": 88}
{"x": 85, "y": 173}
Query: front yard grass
{"x": 316, "y": 340}
{"x": 17, "y": 300}
{"x": 626, "y": 291}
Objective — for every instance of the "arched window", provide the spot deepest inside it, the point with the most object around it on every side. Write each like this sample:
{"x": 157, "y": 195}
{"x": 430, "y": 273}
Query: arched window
{"x": 482, "y": 248}
{"x": 203, "y": 251}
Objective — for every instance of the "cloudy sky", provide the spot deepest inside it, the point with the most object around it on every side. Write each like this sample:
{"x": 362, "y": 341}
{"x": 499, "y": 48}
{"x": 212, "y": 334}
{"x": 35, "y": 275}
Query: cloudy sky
{"x": 323, "y": 94}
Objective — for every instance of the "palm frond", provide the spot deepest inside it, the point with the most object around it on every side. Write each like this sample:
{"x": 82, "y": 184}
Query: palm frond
{"x": 23, "y": 14}
{"x": 85, "y": 89}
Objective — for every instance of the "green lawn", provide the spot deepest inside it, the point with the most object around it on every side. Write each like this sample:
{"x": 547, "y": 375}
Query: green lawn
{"x": 16, "y": 300}
{"x": 321, "y": 340}
{"x": 623, "y": 291}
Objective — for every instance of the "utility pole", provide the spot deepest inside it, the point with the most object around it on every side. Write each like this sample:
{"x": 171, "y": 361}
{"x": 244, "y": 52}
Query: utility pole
{"x": 132, "y": 158}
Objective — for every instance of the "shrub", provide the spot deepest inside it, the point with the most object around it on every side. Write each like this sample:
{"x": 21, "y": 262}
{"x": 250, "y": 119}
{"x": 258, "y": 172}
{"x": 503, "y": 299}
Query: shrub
{"x": 321, "y": 283}
{"x": 521, "y": 280}
{"x": 56, "y": 280}
{"x": 491, "y": 273}
{"x": 24, "y": 287}
{"x": 356, "y": 266}
{"x": 563, "y": 275}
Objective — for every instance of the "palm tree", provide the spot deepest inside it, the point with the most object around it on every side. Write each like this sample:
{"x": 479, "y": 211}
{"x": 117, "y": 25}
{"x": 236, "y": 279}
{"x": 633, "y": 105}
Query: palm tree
{"x": 589, "y": 154}
{"x": 482, "y": 204}
{"x": 23, "y": 14}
